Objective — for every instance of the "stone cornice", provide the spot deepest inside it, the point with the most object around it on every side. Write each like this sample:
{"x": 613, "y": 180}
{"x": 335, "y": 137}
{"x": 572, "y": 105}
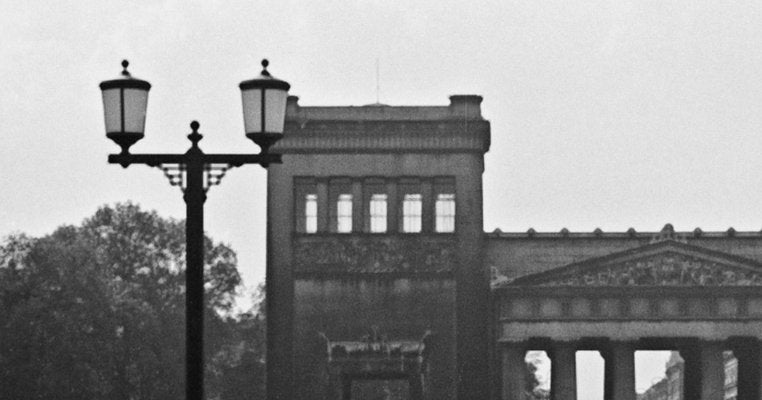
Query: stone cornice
{"x": 385, "y": 137}
{"x": 590, "y": 292}
{"x": 531, "y": 234}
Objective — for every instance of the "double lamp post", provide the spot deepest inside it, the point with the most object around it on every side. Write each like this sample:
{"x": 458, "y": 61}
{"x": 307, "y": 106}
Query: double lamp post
{"x": 125, "y": 100}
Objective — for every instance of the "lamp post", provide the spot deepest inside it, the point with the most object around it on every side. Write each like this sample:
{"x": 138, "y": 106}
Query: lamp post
{"x": 125, "y": 101}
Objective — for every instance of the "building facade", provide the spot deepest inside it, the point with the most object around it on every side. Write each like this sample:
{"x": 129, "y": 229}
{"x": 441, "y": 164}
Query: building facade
{"x": 382, "y": 284}
{"x": 670, "y": 387}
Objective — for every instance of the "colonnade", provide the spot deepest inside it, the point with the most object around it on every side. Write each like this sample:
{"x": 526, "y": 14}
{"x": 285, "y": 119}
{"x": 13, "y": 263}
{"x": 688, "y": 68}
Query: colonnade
{"x": 704, "y": 368}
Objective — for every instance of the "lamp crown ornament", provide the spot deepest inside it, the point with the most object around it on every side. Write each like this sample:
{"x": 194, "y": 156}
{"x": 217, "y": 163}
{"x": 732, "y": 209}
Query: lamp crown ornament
{"x": 125, "y": 64}
{"x": 195, "y": 137}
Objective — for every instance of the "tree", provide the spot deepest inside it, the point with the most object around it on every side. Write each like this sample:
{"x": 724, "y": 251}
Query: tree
{"x": 97, "y": 310}
{"x": 532, "y": 388}
{"x": 243, "y": 377}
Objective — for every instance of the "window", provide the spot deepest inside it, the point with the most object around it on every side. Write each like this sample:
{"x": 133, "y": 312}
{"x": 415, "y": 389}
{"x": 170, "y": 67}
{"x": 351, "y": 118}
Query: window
{"x": 344, "y": 213}
{"x": 306, "y": 205}
{"x": 310, "y": 213}
{"x": 377, "y": 211}
{"x": 341, "y": 210}
{"x": 444, "y": 210}
{"x": 411, "y": 213}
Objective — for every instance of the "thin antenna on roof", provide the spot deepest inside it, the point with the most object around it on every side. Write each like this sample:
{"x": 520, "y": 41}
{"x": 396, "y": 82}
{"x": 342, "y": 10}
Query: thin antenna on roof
{"x": 378, "y": 84}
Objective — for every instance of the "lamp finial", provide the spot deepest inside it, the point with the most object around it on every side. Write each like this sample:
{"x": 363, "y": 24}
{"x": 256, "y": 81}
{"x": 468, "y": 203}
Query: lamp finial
{"x": 195, "y": 137}
{"x": 125, "y": 64}
{"x": 265, "y": 63}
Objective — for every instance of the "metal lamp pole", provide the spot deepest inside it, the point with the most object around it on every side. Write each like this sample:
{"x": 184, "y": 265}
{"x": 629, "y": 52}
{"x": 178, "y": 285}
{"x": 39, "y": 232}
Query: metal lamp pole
{"x": 195, "y": 172}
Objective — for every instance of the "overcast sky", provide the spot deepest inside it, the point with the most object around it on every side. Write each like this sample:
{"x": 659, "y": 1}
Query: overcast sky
{"x": 604, "y": 114}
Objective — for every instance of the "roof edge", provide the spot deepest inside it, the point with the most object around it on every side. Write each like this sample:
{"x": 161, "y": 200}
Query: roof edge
{"x": 629, "y": 234}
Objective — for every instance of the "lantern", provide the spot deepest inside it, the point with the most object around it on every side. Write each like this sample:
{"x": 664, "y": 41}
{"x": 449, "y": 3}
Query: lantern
{"x": 124, "y": 105}
{"x": 264, "y": 107}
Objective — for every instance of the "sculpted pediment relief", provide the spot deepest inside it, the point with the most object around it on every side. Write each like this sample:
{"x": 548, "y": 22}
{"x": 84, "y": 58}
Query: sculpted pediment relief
{"x": 668, "y": 263}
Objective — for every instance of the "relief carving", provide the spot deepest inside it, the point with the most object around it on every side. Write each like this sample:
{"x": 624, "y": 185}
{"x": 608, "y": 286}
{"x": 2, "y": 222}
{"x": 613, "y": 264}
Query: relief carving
{"x": 375, "y": 345}
{"x": 662, "y": 270}
{"x": 375, "y": 254}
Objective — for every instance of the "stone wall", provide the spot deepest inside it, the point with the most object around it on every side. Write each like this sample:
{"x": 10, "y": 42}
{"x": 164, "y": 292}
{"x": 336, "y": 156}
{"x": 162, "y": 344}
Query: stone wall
{"x": 349, "y": 309}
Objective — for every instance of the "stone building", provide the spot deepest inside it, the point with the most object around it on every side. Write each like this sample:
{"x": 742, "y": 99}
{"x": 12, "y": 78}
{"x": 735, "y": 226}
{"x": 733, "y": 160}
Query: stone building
{"x": 382, "y": 283}
{"x": 670, "y": 388}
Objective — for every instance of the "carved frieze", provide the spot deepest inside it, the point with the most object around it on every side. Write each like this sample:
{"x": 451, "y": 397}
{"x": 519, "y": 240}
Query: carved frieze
{"x": 666, "y": 269}
{"x": 376, "y": 345}
{"x": 375, "y": 254}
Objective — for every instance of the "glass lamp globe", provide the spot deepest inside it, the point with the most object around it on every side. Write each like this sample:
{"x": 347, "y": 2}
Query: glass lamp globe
{"x": 264, "y": 108}
{"x": 125, "y": 100}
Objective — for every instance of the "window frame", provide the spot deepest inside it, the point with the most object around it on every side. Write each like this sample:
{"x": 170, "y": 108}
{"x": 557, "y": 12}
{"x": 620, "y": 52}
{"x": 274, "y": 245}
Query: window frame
{"x": 336, "y": 188}
{"x": 304, "y": 187}
{"x": 378, "y": 212}
{"x": 444, "y": 185}
{"x": 310, "y": 213}
{"x": 344, "y": 213}
{"x": 444, "y": 216}
{"x": 415, "y": 217}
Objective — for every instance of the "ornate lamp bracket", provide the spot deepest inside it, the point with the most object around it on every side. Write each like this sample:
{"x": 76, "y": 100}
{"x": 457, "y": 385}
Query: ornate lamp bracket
{"x": 213, "y": 174}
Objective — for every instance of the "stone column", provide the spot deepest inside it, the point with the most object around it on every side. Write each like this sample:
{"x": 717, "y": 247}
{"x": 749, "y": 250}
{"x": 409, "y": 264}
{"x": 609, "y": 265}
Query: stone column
{"x": 415, "y": 383}
{"x": 392, "y": 206}
{"x": 620, "y": 371}
{"x": 427, "y": 216}
{"x": 346, "y": 388}
{"x": 322, "y": 206}
{"x": 358, "y": 200}
{"x": 712, "y": 371}
{"x": 513, "y": 371}
{"x": 692, "y": 370}
{"x": 335, "y": 387}
{"x": 747, "y": 351}
{"x": 563, "y": 371}
{"x": 759, "y": 369}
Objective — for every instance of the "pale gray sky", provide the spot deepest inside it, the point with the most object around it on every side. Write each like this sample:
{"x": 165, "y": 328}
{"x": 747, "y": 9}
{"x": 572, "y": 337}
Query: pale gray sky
{"x": 604, "y": 114}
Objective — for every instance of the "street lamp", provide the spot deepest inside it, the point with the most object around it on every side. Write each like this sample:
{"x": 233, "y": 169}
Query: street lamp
{"x": 125, "y": 100}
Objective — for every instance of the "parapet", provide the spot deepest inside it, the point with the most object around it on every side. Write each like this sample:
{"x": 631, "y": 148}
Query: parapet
{"x": 460, "y": 107}
{"x": 667, "y": 233}
{"x": 379, "y": 128}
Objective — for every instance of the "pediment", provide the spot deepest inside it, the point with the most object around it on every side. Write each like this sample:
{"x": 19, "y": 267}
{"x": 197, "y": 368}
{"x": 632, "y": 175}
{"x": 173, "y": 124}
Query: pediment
{"x": 667, "y": 263}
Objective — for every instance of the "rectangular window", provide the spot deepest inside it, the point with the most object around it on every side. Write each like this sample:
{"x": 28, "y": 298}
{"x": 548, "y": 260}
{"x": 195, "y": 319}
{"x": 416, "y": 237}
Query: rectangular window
{"x": 306, "y": 205}
{"x": 411, "y": 213}
{"x": 378, "y": 213}
{"x": 444, "y": 210}
{"x": 310, "y": 213}
{"x": 344, "y": 213}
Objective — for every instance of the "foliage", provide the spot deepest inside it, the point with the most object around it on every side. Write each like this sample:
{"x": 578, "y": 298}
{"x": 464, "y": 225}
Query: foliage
{"x": 98, "y": 311}
{"x": 532, "y": 390}
{"x": 244, "y": 377}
